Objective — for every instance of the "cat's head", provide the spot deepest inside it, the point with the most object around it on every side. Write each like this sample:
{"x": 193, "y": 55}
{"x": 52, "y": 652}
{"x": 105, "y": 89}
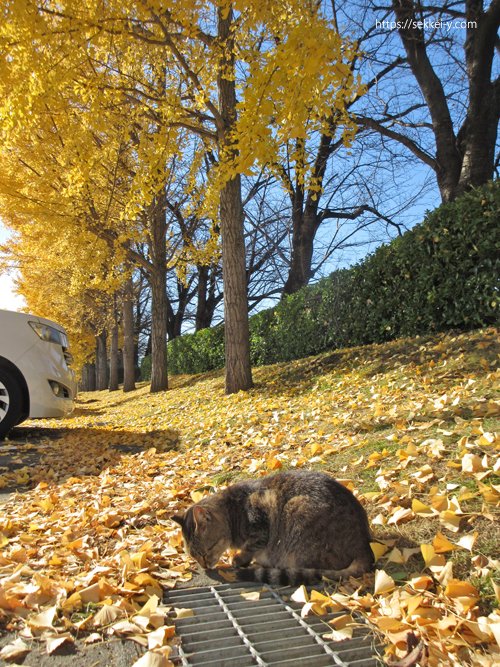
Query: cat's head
{"x": 205, "y": 531}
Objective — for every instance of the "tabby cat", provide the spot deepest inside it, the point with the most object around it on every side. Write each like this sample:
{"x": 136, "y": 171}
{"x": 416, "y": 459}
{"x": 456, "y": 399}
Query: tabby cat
{"x": 292, "y": 527}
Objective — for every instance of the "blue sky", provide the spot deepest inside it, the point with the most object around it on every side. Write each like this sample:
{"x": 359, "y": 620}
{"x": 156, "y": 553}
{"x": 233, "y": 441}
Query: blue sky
{"x": 9, "y": 300}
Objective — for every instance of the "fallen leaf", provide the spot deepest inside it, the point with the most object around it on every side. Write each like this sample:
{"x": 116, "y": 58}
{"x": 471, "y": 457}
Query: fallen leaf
{"x": 14, "y": 650}
{"x": 43, "y": 620}
{"x": 378, "y": 549}
{"x": 300, "y": 595}
{"x": 151, "y": 659}
{"x": 252, "y": 595}
{"x": 383, "y": 582}
{"x": 54, "y": 642}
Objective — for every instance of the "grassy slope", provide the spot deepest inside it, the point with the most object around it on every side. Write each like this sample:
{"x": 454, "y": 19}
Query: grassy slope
{"x": 394, "y": 420}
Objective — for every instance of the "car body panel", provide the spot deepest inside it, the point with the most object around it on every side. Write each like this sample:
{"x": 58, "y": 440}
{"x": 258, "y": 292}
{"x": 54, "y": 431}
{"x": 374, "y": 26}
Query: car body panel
{"x": 38, "y": 361}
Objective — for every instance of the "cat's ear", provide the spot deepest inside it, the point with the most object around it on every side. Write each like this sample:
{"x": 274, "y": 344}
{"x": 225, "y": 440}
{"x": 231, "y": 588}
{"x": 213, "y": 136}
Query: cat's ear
{"x": 178, "y": 518}
{"x": 201, "y": 517}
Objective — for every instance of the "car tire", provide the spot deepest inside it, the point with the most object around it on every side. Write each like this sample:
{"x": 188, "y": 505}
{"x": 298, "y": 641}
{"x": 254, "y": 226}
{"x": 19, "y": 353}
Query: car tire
{"x": 11, "y": 402}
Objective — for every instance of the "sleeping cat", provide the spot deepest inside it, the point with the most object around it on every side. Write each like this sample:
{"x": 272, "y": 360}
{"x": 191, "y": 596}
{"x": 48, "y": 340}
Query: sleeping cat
{"x": 293, "y": 527}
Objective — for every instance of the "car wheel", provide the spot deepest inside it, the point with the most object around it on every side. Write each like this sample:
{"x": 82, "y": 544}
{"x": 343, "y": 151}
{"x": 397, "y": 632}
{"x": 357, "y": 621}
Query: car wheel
{"x": 11, "y": 402}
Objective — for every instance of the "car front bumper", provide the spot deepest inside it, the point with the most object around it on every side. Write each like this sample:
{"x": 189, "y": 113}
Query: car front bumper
{"x": 44, "y": 363}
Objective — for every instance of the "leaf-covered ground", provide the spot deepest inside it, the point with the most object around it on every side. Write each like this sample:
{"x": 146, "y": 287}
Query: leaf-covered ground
{"x": 409, "y": 426}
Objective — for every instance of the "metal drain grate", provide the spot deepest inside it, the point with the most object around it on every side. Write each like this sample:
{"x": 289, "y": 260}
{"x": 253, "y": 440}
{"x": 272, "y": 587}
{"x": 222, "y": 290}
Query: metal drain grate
{"x": 227, "y": 630}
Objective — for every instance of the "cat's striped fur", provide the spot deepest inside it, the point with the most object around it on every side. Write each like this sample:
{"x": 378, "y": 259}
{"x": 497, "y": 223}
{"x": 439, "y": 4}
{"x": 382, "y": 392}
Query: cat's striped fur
{"x": 292, "y": 527}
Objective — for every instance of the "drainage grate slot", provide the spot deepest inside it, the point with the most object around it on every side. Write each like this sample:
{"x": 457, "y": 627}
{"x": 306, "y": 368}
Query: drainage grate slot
{"x": 230, "y": 630}
{"x": 323, "y": 661}
{"x": 307, "y": 651}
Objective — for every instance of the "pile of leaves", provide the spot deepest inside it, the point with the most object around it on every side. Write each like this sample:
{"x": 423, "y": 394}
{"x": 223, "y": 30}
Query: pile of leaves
{"x": 409, "y": 426}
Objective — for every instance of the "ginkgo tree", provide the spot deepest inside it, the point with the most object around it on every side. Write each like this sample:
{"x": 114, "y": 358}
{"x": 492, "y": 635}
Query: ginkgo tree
{"x": 239, "y": 75}
{"x": 248, "y": 73}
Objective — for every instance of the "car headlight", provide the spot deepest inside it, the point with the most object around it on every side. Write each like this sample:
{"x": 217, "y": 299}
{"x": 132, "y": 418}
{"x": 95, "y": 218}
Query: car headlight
{"x": 49, "y": 334}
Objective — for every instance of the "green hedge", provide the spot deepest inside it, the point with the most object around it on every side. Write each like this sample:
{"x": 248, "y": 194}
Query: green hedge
{"x": 442, "y": 274}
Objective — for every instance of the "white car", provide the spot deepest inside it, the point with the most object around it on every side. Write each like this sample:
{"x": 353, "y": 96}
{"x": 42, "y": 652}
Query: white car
{"x": 36, "y": 378}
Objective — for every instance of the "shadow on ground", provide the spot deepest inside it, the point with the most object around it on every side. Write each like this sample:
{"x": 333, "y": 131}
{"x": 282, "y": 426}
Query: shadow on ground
{"x": 33, "y": 454}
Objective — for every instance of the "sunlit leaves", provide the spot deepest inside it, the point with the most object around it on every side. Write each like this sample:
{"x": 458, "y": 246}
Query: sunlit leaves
{"x": 94, "y": 540}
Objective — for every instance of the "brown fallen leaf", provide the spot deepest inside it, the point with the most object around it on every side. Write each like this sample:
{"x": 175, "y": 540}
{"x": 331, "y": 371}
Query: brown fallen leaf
{"x": 14, "y": 650}
{"x": 417, "y": 653}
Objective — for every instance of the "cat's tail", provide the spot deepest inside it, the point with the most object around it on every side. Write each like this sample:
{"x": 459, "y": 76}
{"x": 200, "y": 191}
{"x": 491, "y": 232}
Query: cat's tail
{"x": 294, "y": 576}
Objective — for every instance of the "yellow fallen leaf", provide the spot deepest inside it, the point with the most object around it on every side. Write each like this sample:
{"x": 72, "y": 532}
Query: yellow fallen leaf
{"x": 43, "y": 620}
{"x": 273, "y": 463}
{"x": 140, "y": 559}
{"x": 441, "y": 544}
{"x": 487, "y": 439}
{"x": 458, "y": 588}
{"x": 395, "y": 556}
{"x": 46, "y": 504}
{"x": 414, "y": 603}
{"x": 252, "y": 596}
{"x": 421, "y": 509}
{"x": 150, "y": 606}
{"x": 14, "y": 650}
{"x": 300, "y": 595}
{"x": 379, "y": 520}
{"x": 183, "y": 613}
{"x": 378, "y": 549}
{"x": 107, "y": 615}
{"x": 53, "y": 642}
{"x": 160, "y": 636}
{"x": 444, "y": 574}
{"x": 314, "y": 607}
{"x": 450, "y": 520}
{"x": 388, "y": 624}
{"x": 422, "y": 583}
{"x": 125, "y": 627}
{"x": 151, "y": 659}
{"x": 90, "y": 594}
{"x": 428, "y": 553}
{"x": 439, "y": 502}
{"x": 495, "y": 629}
{"x": 341, "y": 621}
{"x": 383, "y": 582}
{"x": 401, "y": 515}
{"x": 339, "y": 635}
{"x": 424, "y": 474}
{"x": 471, "y": 463}
{"x": 468, "y": 541}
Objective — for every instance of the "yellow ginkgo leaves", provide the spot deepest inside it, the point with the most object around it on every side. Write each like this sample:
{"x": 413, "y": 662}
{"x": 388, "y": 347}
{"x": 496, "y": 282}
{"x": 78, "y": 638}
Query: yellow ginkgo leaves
{"x": 94, "y": 540}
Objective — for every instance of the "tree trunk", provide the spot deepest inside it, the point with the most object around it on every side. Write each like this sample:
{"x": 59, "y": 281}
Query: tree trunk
{"x": 237, "y": 337}
{"x": 479, "y": 132}
{"x": 447, "y": 155}
{"x": 206, "y": 300}
{"x": 176, "y": 318}
{"x": 101, "y": 361}
{"x": 128, "y": 337}
{"x": 113, "y": 358}
{"x": 305, "y": 217}
{"x": 88, "y": 382}
{"x": 466, "y": 159}
{"x": 304, "y": 231}
{"x": 300, "y": 264}
{"x": 158, "y": 277}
